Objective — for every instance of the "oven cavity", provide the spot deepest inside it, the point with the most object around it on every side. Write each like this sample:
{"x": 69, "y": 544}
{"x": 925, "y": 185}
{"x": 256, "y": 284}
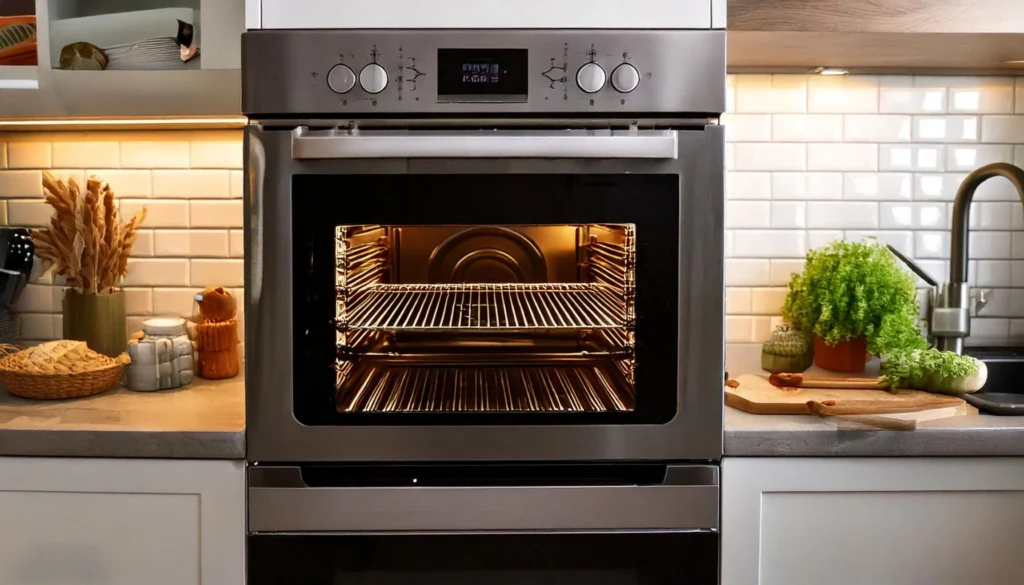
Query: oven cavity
{"x": 479, "y": 319}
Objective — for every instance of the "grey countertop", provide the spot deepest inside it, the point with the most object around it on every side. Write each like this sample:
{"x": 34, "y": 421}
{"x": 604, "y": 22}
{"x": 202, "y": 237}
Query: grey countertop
{"x": 759, "y": 435}
{"x": 205, "y": 420}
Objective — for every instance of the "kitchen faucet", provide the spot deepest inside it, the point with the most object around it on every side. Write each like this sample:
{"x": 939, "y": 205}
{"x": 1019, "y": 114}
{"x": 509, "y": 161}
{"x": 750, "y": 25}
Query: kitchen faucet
{"x": 950, "y": 316}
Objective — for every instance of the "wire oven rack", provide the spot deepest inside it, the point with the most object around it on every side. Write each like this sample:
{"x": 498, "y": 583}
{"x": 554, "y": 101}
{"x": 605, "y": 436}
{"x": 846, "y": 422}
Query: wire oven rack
{"x": 460, "y": 307}
{"x": 383, "y": 387}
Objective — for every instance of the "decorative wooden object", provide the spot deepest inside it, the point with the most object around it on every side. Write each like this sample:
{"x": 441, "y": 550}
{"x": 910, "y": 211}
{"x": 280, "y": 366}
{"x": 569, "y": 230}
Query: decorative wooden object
{"x": 217, "y": 334}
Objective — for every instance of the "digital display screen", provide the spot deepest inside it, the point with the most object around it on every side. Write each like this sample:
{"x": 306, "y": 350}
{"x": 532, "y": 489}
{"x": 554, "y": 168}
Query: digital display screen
{"x": 483, "y": 73}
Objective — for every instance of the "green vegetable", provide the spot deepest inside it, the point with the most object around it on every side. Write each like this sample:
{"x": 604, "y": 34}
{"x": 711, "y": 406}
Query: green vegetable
{"x": 850, "y": 290}
{"x": 935, "y": 371}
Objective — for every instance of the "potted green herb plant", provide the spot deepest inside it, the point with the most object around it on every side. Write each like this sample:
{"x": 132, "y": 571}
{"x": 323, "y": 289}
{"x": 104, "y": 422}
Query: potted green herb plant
{"x": 854, "y": 300}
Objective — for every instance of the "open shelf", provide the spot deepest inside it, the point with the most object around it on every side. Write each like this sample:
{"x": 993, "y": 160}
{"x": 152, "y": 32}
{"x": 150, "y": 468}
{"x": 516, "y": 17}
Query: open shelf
{"x": 508, "y": 307}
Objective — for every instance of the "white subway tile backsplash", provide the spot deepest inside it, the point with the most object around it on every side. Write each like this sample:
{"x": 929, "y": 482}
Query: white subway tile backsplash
{"x": 215, "y": 154}
{"x": 174, "y": 301}
{"x": 747, "y": 214}
{"x": 1002, "y": 129}
{"x": 842, "y": 157}
{"x": 16, "y": 184}
{"x": 901, "y": 240}
{"x": 990, "y": 328}
{"x": 160, "y": 213}
{"x": 876, "y": 128}
{"x": 998, "y": 303}
{"x": 155, "y": 155}
{"x": 990, "y": 216}
{"x": 842, "y": 215}
{"x": 767, "y": 301}
{"x": 737, "y": 301}
{"x": 172, "y": 243}
{"x": 217, "y": 273}
{"x": 989, "y": 245}
{"x": 789, "y": 214}
{"x": 35, "y": 298}
{"x": 946, "y": 129}
{"x": 907, "y": 95}
{"x": 730, "y": 93}
{"x": 746, "y": 272}
{"x": 878, "y": 186}
{"x": 807, "y": 185}
{"x": 157, "y": 272}
{"x": 138, "y": 301}
{"x": 846, "y": 94}
{"x": 3, "y": 155}
{"x": 747, "y": 127}
{"x": 730, "y": 157}
{"x": 215, "y": 214}
{"x": 762, "y": 328}
{"x": 209, "y": 244}
{"x": 125, "y": 184}
{"x": 237, "y": 186}
{"x": 819, "y": 238}
{"x": 995, "y": 273}
{"x": 770, "y": 244}
{"x": 913, "y": 216}
{"x": 28, "y": 155}
{"x": 1017, "y": 245}
{"x": 782, "y": 270}
{"x": 969, "y": 157}
{"x": 28, "y": 213}
{"x": 1019, "y": 100}
{"x": 907, "y": 157}
{"x": 86, "y": 154}
{"x": 770, "y": 157}
{"x": 36, "y": 326}
{"x": 739, "y": 329}
{"x": 740, "y": 185}
{"x": 931, "y": 245}
{"x": 192, "y": 184}
{"x": 937, "y": 186}
{"x": 771, "y": 94}
{"x": 806, "y": 128}
{"x": 143, "y": 244}
{"x": 980, "y": 95}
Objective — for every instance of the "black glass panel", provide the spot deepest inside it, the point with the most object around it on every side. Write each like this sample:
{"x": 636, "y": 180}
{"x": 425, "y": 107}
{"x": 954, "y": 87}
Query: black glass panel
{"x": 648, "y": 204}
{"x": 686, "y": 558}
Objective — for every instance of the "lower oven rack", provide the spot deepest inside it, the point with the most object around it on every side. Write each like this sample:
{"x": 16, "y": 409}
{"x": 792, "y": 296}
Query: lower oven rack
{"x": 477, "y": 307}
{"x": 587, "y": 386}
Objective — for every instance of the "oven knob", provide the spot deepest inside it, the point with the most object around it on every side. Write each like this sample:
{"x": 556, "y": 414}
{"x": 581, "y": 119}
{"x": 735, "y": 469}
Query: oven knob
{"x": 591, "y": 78}
{"x": 373, "y": 78}
{"x": 625, "y": 78}
{"x": 341, "y": 79}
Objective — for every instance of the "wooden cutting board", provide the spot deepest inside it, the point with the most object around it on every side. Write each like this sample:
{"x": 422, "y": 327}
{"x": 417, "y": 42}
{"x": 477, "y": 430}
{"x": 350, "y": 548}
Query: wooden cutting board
{"x": 757, "y": 396}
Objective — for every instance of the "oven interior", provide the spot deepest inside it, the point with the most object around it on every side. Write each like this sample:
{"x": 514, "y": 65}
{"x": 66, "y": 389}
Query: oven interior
{"x": 485, "y": 318}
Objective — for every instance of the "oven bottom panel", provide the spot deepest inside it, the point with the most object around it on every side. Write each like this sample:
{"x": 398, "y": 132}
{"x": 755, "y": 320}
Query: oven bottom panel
{"x": 607, "y": 558}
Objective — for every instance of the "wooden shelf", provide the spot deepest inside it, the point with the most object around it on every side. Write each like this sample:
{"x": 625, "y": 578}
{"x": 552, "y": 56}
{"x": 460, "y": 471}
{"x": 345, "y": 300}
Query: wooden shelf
{"x": 883, "y": 36}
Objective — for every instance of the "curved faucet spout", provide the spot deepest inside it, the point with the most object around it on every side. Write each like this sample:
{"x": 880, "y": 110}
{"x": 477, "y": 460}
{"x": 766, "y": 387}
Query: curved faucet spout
{"x": 962, "y": 212}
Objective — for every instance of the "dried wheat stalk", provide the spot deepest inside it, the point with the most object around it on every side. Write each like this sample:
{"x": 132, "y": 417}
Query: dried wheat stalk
{"x": 86, "y": 241}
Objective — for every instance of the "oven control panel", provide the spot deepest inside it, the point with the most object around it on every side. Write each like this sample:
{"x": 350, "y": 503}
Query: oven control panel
{"x": 470, "y": 72}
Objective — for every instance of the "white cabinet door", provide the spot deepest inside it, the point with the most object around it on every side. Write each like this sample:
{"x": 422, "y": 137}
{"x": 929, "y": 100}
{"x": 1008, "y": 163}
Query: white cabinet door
{"x": 450, "y": 14}
{"x": 842, "y": 521}
{"x": 121, "y": 522}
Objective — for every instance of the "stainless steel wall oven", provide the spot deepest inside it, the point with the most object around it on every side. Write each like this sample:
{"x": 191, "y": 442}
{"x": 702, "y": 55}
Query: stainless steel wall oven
{"x": 484, "y": 298}
{"x": 483, "y": 261}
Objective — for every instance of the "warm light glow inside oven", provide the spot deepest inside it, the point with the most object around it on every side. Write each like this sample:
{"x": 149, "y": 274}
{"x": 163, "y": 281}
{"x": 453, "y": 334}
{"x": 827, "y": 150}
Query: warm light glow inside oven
{"x": 485, "y": 319}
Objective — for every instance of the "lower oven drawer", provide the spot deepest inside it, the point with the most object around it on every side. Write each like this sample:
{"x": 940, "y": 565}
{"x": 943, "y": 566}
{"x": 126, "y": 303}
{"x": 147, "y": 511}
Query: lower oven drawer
{"x": 282, "y": 501}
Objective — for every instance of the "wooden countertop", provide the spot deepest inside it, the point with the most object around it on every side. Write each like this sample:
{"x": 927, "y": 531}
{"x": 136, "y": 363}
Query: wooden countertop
{"x": 205, "y": 420}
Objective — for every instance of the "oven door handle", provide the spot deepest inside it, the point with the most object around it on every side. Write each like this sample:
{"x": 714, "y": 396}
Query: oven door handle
{"x": 257, "y": 168}
{"x": 280, "y": 501}
{"x": 570, "y": 144}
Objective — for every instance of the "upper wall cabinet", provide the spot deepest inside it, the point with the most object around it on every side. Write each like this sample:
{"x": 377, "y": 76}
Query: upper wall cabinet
{"x": 877, "y": 35}
{"x": 103, "y": 58}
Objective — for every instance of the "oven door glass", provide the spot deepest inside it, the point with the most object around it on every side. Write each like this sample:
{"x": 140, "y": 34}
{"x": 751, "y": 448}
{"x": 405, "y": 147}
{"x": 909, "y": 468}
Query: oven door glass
{"x": 639, "y": 558}
{"x": 485, "y": 299}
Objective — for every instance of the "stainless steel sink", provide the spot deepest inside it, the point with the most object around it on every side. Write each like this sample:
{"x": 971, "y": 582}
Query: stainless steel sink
{"x": 1004, "y": 391}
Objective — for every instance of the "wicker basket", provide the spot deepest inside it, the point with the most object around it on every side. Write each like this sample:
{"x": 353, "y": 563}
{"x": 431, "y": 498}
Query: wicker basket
{"x": 40, "y": 386}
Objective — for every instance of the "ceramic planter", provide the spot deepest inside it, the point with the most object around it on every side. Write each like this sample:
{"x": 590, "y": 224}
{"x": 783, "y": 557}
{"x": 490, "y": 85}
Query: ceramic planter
{"x": 99, "y": 320}
{"x": 847, "y": 356}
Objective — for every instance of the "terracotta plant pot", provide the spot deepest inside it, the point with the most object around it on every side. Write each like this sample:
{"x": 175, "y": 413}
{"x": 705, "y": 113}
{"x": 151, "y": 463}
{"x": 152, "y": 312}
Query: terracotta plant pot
{"x": 97, "y": 319}
{"x": 848, "y": 356}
